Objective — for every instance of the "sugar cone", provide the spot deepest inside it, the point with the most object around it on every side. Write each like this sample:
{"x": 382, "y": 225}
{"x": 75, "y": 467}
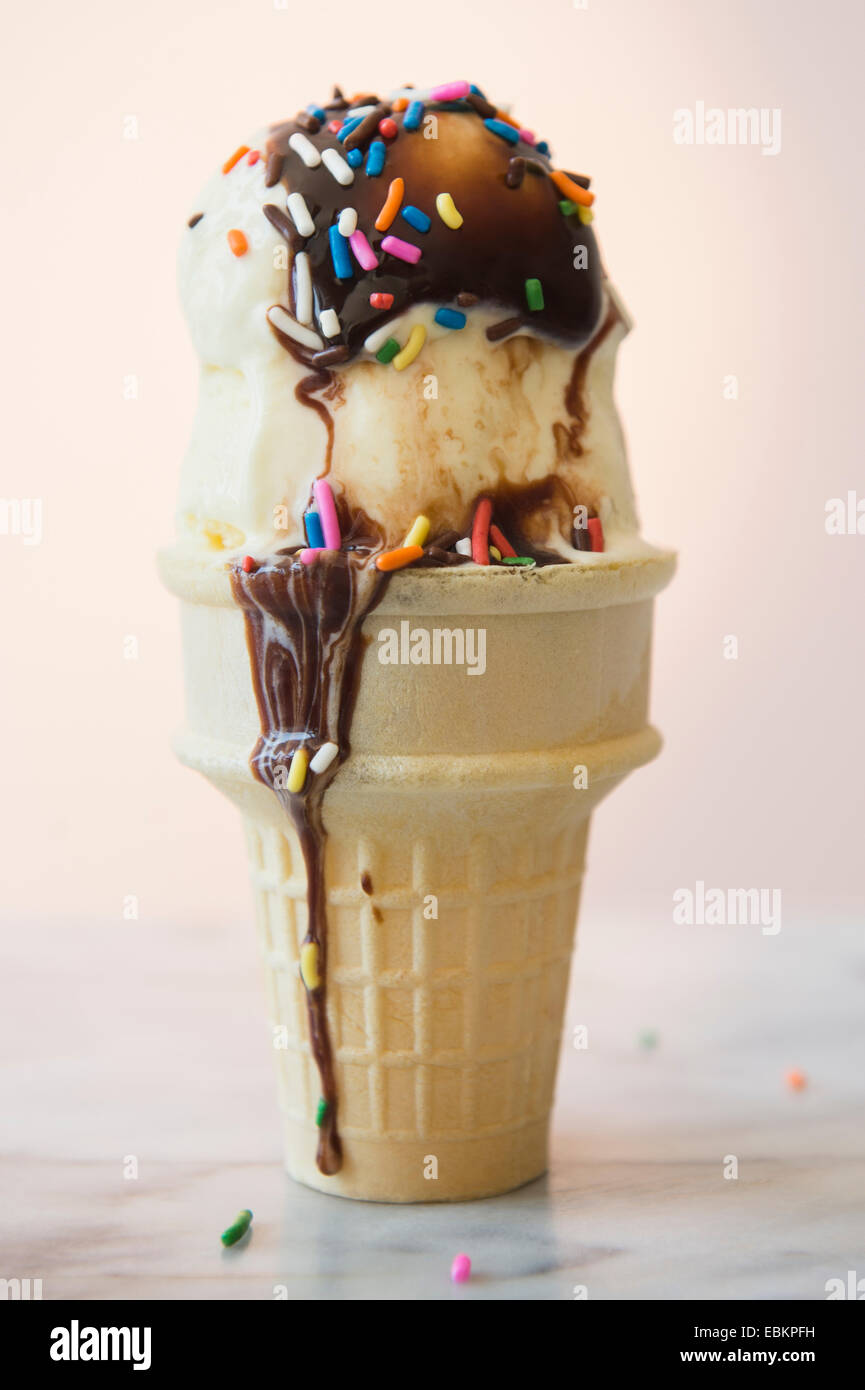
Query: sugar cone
{"x": 455, "y": 851}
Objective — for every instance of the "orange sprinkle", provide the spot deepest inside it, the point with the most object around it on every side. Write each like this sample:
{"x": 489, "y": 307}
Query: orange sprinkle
{"x": 235, "y": 158}
{"x": 796, "y": 1080}
{"x": 254, "y": 156}
{"x": 509, "y": 120}
{"x": 391, "y": 205}
{"x": 237, "y": 242}
{"x": 398, "y": 559}
{"x": 401, "y": 104}
{"x": 572, "y": 190}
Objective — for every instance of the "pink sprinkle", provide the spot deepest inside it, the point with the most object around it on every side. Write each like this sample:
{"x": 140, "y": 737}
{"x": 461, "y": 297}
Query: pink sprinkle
{"x": 327, "y": 512}
{"x": 364, "y": 253}
{"x": 528, "y": 136}
{"x": 450, "y": 91}
{"x": 461, "y": 1269}
{"x": 403, "y": 250}
{"x": 310, "y": 555}
{"x": 253, "y": 157}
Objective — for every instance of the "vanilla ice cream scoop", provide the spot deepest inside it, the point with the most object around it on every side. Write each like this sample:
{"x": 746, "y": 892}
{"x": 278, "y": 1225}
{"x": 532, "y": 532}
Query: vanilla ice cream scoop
{"x": 407, "y": 296}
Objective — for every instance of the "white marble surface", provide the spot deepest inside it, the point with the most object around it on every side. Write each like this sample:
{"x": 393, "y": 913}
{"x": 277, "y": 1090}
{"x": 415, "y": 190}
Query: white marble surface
{"x": 149, "y": 1042}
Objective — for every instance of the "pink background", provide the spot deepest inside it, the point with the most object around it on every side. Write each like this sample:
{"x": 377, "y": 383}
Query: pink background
{"x": 731, "y": 262}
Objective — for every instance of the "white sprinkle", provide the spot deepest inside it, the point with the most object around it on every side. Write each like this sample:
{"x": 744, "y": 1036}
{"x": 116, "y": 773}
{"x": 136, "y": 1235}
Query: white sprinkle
{"x": 358, "y": 111}
{"x": 323, "y": 758}
{"x": 378, "y": 338}
{"x": 281, "y": 319}
{"x": 302, "y": 288}
{"x": 306, "y": 149}
{"x": 347, "y": 222}
{"x": 336, "y": 165}
{"x": 300, "y": 214}
{"x": 329, "y": 322}
{"x": 464, "y": 547}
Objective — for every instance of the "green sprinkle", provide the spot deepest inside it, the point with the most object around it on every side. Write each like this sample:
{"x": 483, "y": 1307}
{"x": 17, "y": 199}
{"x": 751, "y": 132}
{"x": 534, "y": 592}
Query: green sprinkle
{"x": 534, "y": 294}
{"x": 648, "y": 1039}
{"x": 567, "y": 207}
{"x": 321, "y": 1111}
{"x": 238, "y": 1228}
{"x": 389, "y": 351}
{"x": 518, "y": 560}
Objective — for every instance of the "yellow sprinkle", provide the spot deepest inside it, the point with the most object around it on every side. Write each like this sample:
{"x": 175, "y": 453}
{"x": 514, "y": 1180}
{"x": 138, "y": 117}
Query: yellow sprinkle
{"x": 297, "y": 770}
{"x": 446, "y": 209}
{"x": 419, "y": 531}
{"x": 585, "y": 215}
{"x": 309, "y": 965}
{"x": 496, "y": 554}
{"x": 416, "y": 340}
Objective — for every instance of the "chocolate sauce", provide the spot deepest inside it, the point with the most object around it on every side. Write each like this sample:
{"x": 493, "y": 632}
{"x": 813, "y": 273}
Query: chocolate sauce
{"x": 512, "y": 231}
{"x": 303, "y": 631}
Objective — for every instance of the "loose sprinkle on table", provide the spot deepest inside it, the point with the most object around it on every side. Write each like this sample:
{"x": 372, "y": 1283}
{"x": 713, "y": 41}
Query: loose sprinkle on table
{"x": 336, "y": 165}
{"x": 391, "y": 205}
{"x": 796, "y": 1080}
{"x": 305, "y": 150}
{"x": 461, "y": 1269}
{"x": 412, "y": 118}
{"x": 397, "y": 559}
{"x": 450, "y": 318}
{"x": 502, "y": 129}
{"x": 416, "y": 340}
{"x": 339, "y": 254}
{"x": 417, "y": 219}
{"x": 297, "y": 770}
{"x": 300, "y": 214}
{"x": 375, "y": 159}
{"x": 534, "y": 295}
{"x": 238, "y": 1228}
{"x": 329, "y": 323}
{"x": 309, "y": 971}
{"x": 324, "y": 757}
{"x": 447, "y": 211}
{"x": 235, "y": 158}
{"x": 403, "y": 250}
{"x": 238, "y": 245}
{"x": 364, "y": 253}
{"x": 388, "y": 351}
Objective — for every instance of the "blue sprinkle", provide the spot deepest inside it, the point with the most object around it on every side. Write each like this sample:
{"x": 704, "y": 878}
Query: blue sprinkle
{"x": 375, "y": 158}
{"x": 476, "y": 91}
{"x": 318, "y": 113}
{"x": 502, "y": 129}
{"x": 417, "y": 219}
{"x": 339, "y": 254}
{"x": 348, "y": 127}
{"x": 414, "y": 111}
{"x": 314, "y": 532}
{"x": 543, "y": 148}
{"x": 354, "y": 158}
{"x": 450, "y": 318}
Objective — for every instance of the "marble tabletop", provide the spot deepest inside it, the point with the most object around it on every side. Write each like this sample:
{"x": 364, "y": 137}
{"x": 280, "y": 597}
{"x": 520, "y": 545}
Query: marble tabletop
{"x": 146, "y": 1043}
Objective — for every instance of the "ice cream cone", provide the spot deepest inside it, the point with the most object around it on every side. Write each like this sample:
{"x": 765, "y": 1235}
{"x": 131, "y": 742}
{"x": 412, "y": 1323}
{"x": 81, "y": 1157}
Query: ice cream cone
{"x": 456, "y": 835}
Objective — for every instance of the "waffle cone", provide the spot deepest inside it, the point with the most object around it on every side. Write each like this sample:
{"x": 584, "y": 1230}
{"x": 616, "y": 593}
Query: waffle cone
{"x": 454, "y": 858}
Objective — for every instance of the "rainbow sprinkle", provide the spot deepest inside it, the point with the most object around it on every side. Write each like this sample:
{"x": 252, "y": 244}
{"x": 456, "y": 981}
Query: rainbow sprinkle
{"x": 364, "y": 253}
{"x": 412, "y": 118}
{"x": 450, "y": 318}
{"x": 534, "y": 295}
{"x": 417, "y": 219}
{"x": 416, "y": 340}
{"x": 447, "y": 211}
{"x": 403, "y": 250}
{"x": 339, "y": 254}
{"x": 389, "y": 351}
{"x": 375, "y": 159}
{"x": 503, "y": 130}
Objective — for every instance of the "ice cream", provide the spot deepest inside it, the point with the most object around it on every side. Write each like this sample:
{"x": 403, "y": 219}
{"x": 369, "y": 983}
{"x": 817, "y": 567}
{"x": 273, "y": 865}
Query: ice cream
{"x": 406, "y": 443}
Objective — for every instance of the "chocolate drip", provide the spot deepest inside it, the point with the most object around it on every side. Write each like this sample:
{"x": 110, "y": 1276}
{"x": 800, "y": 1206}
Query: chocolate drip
{"x": 303, "y": 631}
